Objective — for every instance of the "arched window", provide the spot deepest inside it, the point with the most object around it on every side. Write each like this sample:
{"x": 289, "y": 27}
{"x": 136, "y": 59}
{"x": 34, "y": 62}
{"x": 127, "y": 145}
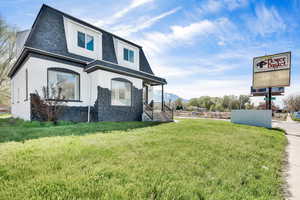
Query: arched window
{"x": 121, "y": 92}
{"x": 65, "y": 80}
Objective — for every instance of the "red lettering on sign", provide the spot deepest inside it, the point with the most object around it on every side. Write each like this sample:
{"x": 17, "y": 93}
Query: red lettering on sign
{"x": 276, "y": 62}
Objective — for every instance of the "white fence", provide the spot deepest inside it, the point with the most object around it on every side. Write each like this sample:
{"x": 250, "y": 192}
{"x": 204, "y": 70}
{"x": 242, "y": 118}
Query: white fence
{"x": 252, "y": 117}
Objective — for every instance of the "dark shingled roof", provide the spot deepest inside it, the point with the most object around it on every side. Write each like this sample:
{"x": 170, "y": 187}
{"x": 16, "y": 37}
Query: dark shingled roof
{"x": 48, "y": 34}
{"x": 99, "y": 64}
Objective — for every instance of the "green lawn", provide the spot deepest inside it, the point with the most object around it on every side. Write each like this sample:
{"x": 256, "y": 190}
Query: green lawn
{"x": 5, "y": 115}
{"x": 192, "y": 159}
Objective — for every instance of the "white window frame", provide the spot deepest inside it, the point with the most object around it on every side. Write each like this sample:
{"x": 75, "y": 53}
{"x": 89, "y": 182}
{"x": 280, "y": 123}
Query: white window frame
{"x": 64, "y": 71}
{"x": 86, "y": 35}
{"x": 128, "y": 50}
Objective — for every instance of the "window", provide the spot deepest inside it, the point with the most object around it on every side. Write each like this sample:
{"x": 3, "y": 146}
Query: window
{"x": 90, "y": 43}
{"x": 128, "y": 55}
{"x": 85, "y": 41}
{"x": 67, "y": 82}
{"x": 81, "y": 40}
{"x": 121, "y": 93}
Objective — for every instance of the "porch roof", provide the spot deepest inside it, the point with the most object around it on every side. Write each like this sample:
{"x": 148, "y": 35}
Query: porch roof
{"x": 148, "y": 78}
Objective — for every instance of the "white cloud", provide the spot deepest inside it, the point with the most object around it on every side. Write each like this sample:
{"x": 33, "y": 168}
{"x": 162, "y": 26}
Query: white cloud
{"x": 234, "y": 4}
{"x": 266, "y": 21}
{"x": 158, "y": 41}
{"x": 214, "y": 6}
{"x": 125, "y": 30}
{"x": 112, "y": 19}
{"x": 211, "y": 87}
{"x": 132, "y": 5}
{"x": 222, "y": 29}
{"x": 171, "y": 72}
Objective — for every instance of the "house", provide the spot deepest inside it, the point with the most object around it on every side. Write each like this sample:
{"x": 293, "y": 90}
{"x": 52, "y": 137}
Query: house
{"x": 102, "y": 76}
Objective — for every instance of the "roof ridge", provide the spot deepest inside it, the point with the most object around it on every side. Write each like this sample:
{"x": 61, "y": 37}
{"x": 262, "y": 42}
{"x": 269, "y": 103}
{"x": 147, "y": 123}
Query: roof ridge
{"x": 89, "y": 24}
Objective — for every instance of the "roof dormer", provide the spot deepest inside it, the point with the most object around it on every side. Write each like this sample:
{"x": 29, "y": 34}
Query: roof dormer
{"x": 83, "y": 40}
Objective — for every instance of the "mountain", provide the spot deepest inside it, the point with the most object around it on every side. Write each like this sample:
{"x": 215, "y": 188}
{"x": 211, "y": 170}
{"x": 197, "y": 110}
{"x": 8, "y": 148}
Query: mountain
{"x": 167, "y": 96}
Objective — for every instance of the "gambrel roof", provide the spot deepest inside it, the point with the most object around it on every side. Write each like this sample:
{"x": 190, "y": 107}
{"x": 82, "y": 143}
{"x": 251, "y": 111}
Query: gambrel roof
{"x": 47, "y": 37}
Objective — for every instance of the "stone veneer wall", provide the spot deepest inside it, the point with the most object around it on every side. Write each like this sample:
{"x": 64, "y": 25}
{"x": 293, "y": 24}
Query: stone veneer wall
{"x": 107, "y": 112}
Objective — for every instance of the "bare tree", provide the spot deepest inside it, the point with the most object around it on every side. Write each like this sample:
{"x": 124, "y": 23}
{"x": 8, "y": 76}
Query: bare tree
{"x": 7, "y": 56}
{"x": 292, "y": 103}
{"x": 50, "y": 106}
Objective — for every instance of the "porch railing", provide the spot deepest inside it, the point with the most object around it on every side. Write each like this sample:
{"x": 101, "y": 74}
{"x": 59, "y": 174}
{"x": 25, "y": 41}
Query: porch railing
{"x": 148, "y": 110}
{"x": 169, "y": 112}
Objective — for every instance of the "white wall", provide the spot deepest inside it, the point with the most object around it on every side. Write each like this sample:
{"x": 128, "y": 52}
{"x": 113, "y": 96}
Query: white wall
{"x": 252, "y": 117}
{"x": 103, "y": 79}
{"x": 119, "y": 50}
{"x": 37, "y": 79}
{"x": 20, "y": 107}
{"x": 71, "y": 29}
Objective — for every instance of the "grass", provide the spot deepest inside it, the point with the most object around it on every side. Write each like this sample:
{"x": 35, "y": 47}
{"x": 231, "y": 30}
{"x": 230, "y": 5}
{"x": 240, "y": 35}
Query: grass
{"x": 296, "y": 119}
{"x": 4, "y": 115}
{"x": 19, "y": 130}
{"x": 192, "y": 159}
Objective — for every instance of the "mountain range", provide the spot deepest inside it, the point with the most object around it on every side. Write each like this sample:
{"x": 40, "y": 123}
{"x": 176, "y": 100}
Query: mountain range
{"x": 167, "y": 96}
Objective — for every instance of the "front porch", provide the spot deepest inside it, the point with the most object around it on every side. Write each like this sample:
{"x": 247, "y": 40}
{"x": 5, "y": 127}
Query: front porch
{"x": 155, "y": 111}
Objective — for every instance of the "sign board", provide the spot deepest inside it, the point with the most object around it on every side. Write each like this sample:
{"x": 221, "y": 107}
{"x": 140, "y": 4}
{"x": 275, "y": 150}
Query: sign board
{"x": 272, "y": 70}
{"x": 273, "y": 98}
{"x": 276, "y": 91}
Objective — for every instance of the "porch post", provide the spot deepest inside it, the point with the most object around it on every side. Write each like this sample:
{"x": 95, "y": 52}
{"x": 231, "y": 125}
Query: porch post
{"x": 162, "y": 97}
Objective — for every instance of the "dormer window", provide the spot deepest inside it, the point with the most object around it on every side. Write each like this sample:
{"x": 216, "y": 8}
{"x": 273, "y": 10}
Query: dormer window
{"x": 128, "y": 55}
{"x": 85, "y": 41}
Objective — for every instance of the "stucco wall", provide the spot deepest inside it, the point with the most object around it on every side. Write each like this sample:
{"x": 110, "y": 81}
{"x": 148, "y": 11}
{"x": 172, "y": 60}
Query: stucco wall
{"x": 20, "y": 106}
{"x": 252, "y": 117}
{"x": 37, "y": 78}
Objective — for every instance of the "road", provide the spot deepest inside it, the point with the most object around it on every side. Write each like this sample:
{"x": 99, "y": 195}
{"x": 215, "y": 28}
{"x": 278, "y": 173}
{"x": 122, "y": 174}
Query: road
{"x": 293, "y": 150}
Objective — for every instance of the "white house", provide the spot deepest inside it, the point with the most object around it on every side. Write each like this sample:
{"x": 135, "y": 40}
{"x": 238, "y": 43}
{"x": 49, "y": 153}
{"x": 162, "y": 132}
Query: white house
{"x": 103, "y": 77}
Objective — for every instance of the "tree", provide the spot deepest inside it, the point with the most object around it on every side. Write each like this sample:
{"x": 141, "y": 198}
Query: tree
{"x": 194, "y": 102}
{"x": 292, "y": 103}
{"x": 249, "y": 106}
{"x": 178, "y": 104}
{"x": 7, "y": 55}
{"x": 243, "y": 100}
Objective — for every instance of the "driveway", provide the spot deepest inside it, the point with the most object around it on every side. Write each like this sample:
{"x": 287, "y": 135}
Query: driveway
{"x": 293, "y": 150}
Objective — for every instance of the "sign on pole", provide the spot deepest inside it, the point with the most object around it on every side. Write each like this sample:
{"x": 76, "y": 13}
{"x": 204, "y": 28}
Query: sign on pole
{"x": 276, "y": 91}
{"x": 272, "y": 70}
{"x": 272, "y": 98}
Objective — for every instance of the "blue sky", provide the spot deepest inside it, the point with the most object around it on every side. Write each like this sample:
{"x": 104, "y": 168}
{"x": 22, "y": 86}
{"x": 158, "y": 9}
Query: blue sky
{"x": 202, "y": 47}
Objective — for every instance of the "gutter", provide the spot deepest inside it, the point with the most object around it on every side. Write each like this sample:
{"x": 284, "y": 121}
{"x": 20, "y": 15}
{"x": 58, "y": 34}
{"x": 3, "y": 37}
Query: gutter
{"x": 95, "y": 67}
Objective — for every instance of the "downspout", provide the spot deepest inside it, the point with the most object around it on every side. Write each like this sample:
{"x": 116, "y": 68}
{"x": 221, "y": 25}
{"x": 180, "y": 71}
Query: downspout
{"x": 90, "y": 99}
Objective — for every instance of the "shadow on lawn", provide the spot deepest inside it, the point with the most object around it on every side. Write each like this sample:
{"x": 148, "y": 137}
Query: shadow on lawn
{"x": 20, "y": 131}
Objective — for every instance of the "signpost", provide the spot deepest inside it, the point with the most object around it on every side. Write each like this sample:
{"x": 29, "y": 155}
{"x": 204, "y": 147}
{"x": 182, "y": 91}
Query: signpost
{"x": 271, "y": 71}
{"x": 276, "y": 91}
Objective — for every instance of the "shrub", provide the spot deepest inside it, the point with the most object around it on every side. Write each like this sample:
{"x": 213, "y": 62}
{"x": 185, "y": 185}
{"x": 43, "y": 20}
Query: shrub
{"x": 48, "y": 108}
